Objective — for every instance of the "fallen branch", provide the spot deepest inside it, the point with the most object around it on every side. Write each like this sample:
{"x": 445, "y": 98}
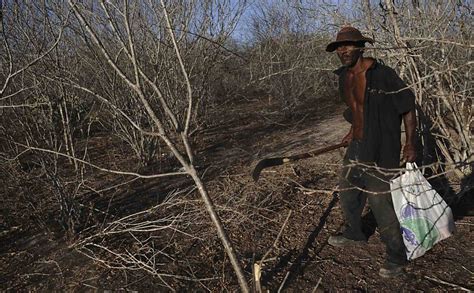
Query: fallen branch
{"x": 436, "y": 280}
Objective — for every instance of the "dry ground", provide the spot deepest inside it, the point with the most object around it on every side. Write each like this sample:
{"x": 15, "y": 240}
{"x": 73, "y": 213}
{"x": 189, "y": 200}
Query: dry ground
{"x": 35, "y": 256}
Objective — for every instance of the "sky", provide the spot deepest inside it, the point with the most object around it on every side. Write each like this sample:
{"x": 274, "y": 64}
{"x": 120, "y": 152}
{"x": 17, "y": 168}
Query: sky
{"x": 254, "y": 6}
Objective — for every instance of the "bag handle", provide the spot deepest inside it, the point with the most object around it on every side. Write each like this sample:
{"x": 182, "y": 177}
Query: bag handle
{"x": 411, "y": 166}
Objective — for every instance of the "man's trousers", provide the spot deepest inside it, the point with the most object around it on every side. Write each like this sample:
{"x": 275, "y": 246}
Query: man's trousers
{"x": 359, "y": 183}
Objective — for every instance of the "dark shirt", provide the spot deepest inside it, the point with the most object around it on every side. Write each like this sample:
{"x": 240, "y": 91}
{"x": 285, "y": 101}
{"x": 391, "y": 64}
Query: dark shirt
{"x": 387, "y": 98}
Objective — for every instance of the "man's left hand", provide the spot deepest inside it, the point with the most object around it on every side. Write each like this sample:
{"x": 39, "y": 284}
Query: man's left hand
{"x": 409, "y": 153}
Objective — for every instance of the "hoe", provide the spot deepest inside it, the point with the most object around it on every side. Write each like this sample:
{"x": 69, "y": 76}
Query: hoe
{"x": 277, "y": 161}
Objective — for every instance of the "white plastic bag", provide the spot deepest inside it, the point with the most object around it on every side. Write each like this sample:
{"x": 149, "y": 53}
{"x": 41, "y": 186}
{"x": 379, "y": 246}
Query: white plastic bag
{"x": 424, "y": 216}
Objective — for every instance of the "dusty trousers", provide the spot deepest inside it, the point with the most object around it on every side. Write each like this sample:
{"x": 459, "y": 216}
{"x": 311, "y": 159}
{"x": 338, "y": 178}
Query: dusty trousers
{"x": 359, "y": 184}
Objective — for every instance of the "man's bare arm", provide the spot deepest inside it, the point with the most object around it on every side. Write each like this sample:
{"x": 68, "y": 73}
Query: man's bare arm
{"x": 409, "y": 151}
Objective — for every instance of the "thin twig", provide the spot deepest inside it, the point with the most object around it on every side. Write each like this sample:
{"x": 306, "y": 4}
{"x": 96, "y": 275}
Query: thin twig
{"x": 317, "y": 285}
{"x": 101, "y": 168}
{"x": 436, "y": 280}
{"x": 276, "y": 239}
{"x": 283, "y": 282}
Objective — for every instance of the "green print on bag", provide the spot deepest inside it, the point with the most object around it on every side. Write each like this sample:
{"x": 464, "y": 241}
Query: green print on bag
{"x": 416, "y": 229}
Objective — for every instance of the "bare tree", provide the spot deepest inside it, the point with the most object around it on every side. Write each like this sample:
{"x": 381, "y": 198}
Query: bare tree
{"x": 145, "y": 61}
{"x": 170, "y": 117}
{"x": 440, "y": 57}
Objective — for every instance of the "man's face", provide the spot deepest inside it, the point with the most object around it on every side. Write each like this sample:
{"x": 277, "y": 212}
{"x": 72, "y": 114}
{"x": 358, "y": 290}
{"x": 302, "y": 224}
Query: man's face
{"x": 348, "y": 53}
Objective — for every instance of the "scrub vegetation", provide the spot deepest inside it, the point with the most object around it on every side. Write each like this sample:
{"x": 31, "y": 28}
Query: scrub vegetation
{"x": 128, "y": 131}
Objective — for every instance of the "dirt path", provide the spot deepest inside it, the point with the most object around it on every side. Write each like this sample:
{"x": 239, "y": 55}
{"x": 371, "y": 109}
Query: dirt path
{"x": 314, "y": 135}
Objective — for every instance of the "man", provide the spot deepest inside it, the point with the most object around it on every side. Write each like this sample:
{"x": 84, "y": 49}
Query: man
{"x": 378, "y": 100}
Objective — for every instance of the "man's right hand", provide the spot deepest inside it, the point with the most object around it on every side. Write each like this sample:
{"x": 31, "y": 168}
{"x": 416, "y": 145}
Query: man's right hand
{"x": 348, "y": 138}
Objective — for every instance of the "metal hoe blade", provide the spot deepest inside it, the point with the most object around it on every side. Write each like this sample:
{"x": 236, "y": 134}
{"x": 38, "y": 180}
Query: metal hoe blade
{"x": 270, "y": 162}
